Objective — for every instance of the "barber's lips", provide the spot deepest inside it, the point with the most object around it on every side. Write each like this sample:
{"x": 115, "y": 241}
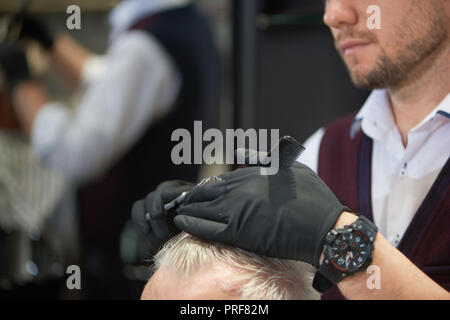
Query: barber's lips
{"x": 349, "y": 47}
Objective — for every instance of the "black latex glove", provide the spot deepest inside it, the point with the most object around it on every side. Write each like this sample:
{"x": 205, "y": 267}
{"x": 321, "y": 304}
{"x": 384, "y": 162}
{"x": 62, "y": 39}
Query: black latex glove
{"x": 151, "y": 217}
{"x": 14, "y": 64}
{"x": 33, "y": 28}
{"x": 286, "y": 215}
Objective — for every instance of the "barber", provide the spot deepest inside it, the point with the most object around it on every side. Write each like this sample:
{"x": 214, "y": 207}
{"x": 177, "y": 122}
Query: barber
{"x": 386, "y": 201}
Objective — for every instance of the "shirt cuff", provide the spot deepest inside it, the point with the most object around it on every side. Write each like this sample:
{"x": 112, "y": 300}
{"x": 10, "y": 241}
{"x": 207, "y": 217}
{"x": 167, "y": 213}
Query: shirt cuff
{"x": 48, "y": 127}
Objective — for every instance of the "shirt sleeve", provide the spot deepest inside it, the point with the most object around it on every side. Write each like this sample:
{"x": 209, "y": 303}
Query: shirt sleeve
{"x": 93, "y": 69}
{"x": 310, "y": 157}
{"x": 139, "y": 85}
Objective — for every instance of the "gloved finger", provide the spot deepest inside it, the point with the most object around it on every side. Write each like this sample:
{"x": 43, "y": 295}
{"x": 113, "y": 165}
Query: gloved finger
{"x": 153, "y": 201}
{"x": 157, "y": 209}
{"x": 138, "y": 215}
{"x": 250, "y": 157}
{"x": 170, "y": 194}
{"x": 165, "y": 192}
{"x": 138, "y": 211}
{"x": 210, "y": 210}
{"x": 148, "y": 200}
{"x": 155, "y": 206}
{"x": 210, "y": 230}
{"x": 206, "y": 192}
{"x": 240, "y": 173}
{"x": 173, "y": 184}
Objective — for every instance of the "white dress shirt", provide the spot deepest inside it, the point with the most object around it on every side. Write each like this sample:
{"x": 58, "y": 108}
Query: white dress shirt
{"x": 401, "y": 176}
{"x": 134, "y": 85}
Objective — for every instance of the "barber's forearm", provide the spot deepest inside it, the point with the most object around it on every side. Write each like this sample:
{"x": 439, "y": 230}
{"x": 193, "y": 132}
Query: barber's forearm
{"x": 399, "y": 277}
{"x": 28, "y": 98}
{"x": 68, "y": 58}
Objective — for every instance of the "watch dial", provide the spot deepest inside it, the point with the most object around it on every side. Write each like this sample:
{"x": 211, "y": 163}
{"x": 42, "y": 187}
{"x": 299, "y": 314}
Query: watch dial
{"x": 349, "y": 251}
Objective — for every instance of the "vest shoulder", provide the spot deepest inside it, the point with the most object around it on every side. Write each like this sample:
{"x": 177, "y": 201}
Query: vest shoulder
{"x": 342, "y": 123}
{"x": 340, "y": 131}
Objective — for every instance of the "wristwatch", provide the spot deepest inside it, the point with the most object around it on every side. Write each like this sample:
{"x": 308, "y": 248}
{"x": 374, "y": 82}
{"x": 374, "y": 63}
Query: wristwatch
{"x": 347, "y": 250}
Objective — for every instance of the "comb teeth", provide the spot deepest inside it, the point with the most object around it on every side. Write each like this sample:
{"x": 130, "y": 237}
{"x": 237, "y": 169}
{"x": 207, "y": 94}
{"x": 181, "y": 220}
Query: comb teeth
{"x": 289, "y": 151}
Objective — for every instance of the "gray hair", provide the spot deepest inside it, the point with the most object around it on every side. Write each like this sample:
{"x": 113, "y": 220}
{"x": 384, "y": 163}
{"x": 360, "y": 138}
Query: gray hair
{"x": 259, "y": 277}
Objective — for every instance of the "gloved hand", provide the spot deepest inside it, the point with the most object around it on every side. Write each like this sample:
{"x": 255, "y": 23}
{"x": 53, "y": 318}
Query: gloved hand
{"x": 33, "y": 28}
{"x": 286, "y": 215}
{"x": 14, "y": 64}
{"x": 151, "y": 217}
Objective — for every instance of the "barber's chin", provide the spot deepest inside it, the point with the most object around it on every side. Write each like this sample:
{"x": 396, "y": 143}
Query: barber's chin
{"x": 367, "y": 84}
{"x": 357, "y": 74}
{"x": 362, "y": 81}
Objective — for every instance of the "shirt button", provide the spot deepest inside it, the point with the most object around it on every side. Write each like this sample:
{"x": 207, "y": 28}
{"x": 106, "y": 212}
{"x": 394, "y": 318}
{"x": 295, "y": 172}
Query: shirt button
{"x": 403, "y": 171}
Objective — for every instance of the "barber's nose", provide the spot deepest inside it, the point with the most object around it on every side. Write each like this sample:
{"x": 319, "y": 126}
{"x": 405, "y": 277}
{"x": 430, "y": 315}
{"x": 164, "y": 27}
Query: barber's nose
{"x": 340, "y": 13}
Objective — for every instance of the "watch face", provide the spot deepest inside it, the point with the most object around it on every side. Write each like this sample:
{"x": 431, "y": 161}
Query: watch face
{"x": 349, "y": 251}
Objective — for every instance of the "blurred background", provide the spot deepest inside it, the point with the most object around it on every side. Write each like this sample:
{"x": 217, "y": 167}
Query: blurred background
{"x": 271, "y": 64}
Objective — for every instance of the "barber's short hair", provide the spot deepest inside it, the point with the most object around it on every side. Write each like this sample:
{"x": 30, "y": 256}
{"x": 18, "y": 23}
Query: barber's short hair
{"x": 258, "y": 277}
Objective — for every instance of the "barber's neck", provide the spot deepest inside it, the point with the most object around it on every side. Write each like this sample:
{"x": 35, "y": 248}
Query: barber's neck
{"x": 426, "y": 86}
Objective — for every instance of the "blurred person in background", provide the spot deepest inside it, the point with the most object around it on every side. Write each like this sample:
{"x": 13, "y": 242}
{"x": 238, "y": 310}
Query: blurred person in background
{"x": 160, "y": 73}
{"x": 38, "y": 227}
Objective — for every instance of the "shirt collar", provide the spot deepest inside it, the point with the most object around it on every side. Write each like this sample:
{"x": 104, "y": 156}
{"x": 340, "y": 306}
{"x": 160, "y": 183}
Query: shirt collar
{"x": 442, "y": 111}
{"x": 375, "y": 118}
{"x": 128, "y": 12}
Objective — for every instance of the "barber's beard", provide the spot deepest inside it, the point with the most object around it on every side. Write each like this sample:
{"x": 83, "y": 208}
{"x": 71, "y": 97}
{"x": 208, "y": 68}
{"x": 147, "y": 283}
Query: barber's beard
{"x": 412, "y": 51}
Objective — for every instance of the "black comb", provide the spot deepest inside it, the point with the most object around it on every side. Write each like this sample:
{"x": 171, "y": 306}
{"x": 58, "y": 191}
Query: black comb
{"x": 289, "y": 150}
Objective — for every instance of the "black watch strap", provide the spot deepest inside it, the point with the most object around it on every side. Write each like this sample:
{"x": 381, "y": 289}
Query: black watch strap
{"x": 320, "y": 283}
{"x": 327, "y": 275}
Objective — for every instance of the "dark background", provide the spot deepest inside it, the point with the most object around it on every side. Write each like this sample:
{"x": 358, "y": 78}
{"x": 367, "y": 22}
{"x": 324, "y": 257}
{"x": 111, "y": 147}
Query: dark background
{"x": 288, "y": 74}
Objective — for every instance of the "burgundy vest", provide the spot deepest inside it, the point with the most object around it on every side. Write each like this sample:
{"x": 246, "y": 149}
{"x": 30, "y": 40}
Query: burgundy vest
{"x": 345, "y": 165}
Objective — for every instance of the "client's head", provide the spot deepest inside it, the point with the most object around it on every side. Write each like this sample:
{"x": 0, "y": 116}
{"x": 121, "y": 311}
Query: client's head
{"x": 194, "y": 269}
